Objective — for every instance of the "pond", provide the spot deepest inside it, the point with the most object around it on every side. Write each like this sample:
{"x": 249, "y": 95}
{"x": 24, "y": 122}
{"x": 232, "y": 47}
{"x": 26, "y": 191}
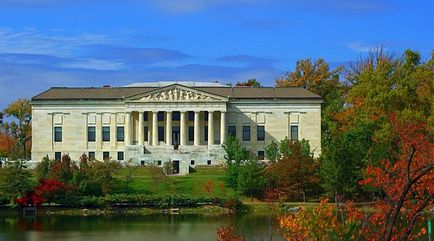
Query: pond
{"x": 131, "y": 228}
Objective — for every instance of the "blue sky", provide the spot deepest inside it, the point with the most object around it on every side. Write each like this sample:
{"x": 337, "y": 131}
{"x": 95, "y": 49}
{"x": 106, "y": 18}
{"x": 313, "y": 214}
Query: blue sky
{"x": 46, "y": 43}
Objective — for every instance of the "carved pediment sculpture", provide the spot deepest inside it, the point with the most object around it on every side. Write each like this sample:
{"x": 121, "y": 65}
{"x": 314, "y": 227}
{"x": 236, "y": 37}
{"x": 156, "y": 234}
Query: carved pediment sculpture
{"x": 176, "y": 94}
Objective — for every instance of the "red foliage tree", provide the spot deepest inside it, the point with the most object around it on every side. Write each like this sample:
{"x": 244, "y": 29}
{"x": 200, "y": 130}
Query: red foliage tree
{"x": 406, "y": 181}
{"x": 51, "y": 190}
{"x": 31, "y": 199}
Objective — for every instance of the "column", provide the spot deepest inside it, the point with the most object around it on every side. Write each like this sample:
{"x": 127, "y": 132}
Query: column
{"x": 141, "y": 129}
{"x": 168, "y": 128}
{"x": 210, "y": 128}
{"x": 196, "y": 128}
{"x": 222, "y": 127}
{"x": 183, "y": 128}
{"x": 128, "y": 128}
{"x": 154, "y": 128}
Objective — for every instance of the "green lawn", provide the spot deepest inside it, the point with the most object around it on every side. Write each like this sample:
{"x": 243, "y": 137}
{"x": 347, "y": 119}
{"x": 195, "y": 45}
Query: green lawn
{"x": 192, "y": 184}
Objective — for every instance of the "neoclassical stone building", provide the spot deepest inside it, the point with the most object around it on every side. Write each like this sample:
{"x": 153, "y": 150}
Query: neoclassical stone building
{"x": 147, "y": 122}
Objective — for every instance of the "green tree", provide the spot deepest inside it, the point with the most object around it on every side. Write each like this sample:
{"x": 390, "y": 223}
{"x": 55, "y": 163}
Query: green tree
{"x": 21, "y": 111}
{"x": 251, "y": 180}
{"x": 235, "y": 154}
{"x": 15, "y": 181}
{"x": 43, "y": 168}
{"x": 272, "y": 151}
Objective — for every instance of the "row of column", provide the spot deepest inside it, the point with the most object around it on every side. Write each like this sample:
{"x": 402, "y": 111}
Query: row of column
{"x": 183, "y": 128}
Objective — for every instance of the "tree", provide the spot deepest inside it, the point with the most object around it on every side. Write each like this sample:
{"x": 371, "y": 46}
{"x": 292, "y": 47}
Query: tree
{"x": 15, "y": 181}
{"x": 235, "y": 154}
{"x": 43, "y": 168}
{"x": 251, "y": 180}
{"x": 295, "y": 174}
{"x": 272, "y": 151}
{"x": 61, "y": 171}
{"x": 227, "y": 233}
{"x": 52, "y": 191}
{"x": 157, "y": 175}
{"x": 21, "y": 111}
{"x": 104, "y": 172}
{"x": 249, "y": 83}
{"x": 406, "y": 180}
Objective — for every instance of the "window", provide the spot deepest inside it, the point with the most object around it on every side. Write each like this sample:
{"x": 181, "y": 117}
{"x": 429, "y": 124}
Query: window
{"x": 159, "y": 163}
{"x": 106, "y": 155}
{"x": 57, "y": 134}
{"x": 120, "y": 155}
{"x": 161, "y": 133}
{"x": 120, "y": 135}
{"x": 191, "y": 133}
{"x": 160, "y": 116}
{"x": 191, "y": 116}
{"x": 145, "y": 132}
{"x": 145, "y": 116}
{"x": 232, "y": 131}
{"x": 192, "y": 162}
{"x": 142, "y": 163}
{"x": 176, "y": 116}
{"x": 260, "y": 130}
{"x": 205, "y": 115}
{"x": 208, "y": 162}
{"x": 105, "y": 133}
{"x": 246, "y": 133}
{"x": 91, "y": 133}
{"x": 91, "y": 155}
{"x": 261, "y": 155}
{"x": 294, "y": 133}
{"x": 57, "y": 156}
{"x": 205, "y": 133}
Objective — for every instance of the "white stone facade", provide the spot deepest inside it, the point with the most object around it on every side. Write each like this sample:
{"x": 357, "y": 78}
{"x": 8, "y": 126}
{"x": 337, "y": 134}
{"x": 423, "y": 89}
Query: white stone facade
{"x": 197, "y": 121}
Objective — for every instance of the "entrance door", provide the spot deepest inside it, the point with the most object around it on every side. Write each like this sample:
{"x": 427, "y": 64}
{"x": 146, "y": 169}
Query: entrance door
{"x": 175, "y": 167}
{"x": 175, "y": 135}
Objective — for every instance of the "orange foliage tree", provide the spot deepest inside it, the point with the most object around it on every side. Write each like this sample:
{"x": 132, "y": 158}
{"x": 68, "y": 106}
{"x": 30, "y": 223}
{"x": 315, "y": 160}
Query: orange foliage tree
{"x": 325, "y": 222}
{"x": 406, "y": 181}
{"x": 228, "y": 234}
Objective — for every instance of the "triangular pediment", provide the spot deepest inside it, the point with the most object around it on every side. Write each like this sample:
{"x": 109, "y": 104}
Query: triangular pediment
{"x": 177, "y": 93}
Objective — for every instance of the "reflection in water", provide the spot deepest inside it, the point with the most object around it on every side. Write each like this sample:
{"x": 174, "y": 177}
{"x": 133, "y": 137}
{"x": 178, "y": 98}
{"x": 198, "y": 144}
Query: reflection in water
{"x": 132, "y": 228}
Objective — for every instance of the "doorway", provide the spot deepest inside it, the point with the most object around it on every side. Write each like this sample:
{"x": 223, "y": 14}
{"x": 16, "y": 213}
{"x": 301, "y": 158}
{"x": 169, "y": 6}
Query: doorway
{"x": 175, "y": 167}
{"x": 175, "y": 135}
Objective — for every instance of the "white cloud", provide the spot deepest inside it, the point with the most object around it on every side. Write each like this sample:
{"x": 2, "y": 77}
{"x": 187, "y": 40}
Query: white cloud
{"x": 359, "y": 46}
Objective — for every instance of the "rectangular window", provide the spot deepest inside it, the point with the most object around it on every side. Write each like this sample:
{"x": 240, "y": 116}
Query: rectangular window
{"x": 294, "y": 133}
{"x": 191, "y": 116}
{"x": 120, "y": 135}
{"x": 205, "y": 115}
{"x": 261, "y": 155}
{"x": 161, "y": 133}
{"x": 91, "y": 134}
{"x": 260, "y": 130}
{"x": 176, "y": 116}
{"x": 205, "y": 133}
{"x": 160, "y": 116}
{"x": 142, "y": 163}
{"x": 246, "y": 133}
{"x": 120, "y": 155}
{"x": 145, "y": 132}
{"x": 208, "y": 162}
{"x": 145, "y": 116}
{"x": 57, "y": 156}
{"x": 106, "y": 133}
{"x": 159, "y": 163}
{"x": 232, "y": 131}
{"x": 91, "y": 155}
{"x": 106, "y": 155}
{"x": 57, "y": 134}
{"x": 191, "y": 133}
{"x": 192, "y": 162}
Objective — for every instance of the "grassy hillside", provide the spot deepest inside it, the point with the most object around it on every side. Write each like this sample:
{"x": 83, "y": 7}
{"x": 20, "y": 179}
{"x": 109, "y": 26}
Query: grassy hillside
{"x": 192, "y": 184}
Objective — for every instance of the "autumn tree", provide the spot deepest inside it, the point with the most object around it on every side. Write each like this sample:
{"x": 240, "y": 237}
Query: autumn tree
{"x": 249, "y": 83}
{"x": 406, "y": 180}
{"x": 19, "y": 128}
{"x": 295, "y": 174}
